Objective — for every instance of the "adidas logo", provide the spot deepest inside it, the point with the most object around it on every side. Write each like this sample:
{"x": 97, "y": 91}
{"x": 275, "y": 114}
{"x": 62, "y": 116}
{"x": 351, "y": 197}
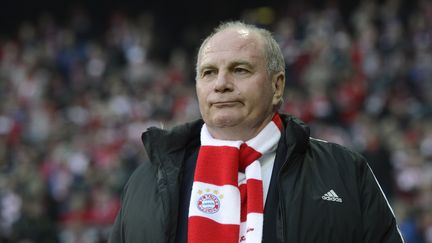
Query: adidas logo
{"x": 331, "y": 196}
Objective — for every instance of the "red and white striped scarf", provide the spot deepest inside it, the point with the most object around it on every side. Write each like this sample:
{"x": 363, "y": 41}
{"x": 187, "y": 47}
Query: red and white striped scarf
{"x": 222, "y": 208}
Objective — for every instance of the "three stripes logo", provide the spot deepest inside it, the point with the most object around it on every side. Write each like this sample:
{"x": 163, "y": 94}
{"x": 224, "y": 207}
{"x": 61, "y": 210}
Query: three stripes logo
{"x": 332, "y": 196}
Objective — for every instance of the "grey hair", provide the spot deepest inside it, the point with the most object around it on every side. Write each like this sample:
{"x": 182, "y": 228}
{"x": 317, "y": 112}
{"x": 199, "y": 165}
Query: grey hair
{"x": 272, "y": 52}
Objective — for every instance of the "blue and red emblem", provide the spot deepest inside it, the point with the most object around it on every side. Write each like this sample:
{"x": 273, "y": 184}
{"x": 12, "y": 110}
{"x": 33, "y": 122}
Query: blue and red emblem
{"x": 208, "y": 203}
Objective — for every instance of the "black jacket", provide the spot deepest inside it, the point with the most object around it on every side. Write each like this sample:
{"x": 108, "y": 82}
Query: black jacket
{"x": 301, "y": 203}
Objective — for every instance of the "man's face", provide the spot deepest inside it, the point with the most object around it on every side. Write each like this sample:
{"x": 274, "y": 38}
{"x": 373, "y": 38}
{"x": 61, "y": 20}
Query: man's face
{"x": 233, "y": 86}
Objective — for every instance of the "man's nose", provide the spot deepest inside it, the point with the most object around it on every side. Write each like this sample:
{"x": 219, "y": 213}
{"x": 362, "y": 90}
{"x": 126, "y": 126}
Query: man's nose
{"x": 223, "y": 82}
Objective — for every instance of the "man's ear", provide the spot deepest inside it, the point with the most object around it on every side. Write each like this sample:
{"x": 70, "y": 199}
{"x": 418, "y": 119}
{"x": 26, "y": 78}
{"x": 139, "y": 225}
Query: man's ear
{"x": 278, "y": 85}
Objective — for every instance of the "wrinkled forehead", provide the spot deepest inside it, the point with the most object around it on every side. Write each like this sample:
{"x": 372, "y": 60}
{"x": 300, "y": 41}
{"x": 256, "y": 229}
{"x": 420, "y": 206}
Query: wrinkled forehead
{"x": 233, "y": 40}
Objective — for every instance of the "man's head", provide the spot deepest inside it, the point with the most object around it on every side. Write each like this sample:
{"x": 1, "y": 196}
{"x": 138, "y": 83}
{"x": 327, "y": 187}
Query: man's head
{"x": 273, "y": 54}
{"x": 240, "y": 80}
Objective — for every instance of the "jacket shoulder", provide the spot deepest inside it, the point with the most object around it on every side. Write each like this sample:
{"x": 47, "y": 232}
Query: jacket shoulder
{"x": 143, "y": 176}
{"x": 336, "y": 151}
{"x": 336, "y": 157}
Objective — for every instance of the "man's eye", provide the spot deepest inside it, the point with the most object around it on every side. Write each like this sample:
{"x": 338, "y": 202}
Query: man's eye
{"x": 241, "y": 70}
{"x": 208, "y": 72}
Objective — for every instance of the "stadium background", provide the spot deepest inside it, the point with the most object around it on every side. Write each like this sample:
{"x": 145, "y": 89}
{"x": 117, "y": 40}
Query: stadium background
{"x": 79, "y": 82}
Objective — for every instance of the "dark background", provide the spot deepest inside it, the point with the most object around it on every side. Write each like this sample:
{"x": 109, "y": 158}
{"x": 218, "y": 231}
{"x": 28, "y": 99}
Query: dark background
{"x": 172, "y": 15}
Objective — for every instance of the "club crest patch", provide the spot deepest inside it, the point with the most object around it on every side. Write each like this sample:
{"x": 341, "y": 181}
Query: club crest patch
{"x": 208, "y": 203}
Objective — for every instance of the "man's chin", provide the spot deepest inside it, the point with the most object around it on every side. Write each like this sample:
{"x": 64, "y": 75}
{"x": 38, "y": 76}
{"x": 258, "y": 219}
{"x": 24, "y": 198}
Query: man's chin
{"x": 225, "y": 121}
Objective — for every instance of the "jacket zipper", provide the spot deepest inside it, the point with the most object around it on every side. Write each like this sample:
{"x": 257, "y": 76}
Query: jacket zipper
{"x": 281, "y": 199}
{"x": 166, "y": 204}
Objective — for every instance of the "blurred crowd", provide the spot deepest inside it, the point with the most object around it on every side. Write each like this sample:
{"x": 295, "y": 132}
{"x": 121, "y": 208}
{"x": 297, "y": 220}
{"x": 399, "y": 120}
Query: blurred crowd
{"x": 74, "y": 103}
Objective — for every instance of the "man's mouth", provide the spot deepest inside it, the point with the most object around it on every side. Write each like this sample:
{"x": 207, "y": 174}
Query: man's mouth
{"x": 221, "y": 104}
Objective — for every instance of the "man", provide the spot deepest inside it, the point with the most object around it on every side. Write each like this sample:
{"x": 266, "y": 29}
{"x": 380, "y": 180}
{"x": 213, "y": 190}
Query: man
{"x": 245, "y": 173}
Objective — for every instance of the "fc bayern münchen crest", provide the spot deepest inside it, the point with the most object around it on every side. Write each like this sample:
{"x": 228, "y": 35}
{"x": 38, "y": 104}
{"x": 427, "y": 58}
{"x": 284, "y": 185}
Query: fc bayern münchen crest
{"x": 208, "y": 203}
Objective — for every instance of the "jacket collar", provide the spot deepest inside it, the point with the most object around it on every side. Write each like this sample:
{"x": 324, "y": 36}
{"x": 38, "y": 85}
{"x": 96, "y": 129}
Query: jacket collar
{"x": 297, "y": 133}
{"x": 167, "y": 142}
{"x": 158, "y": 141}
